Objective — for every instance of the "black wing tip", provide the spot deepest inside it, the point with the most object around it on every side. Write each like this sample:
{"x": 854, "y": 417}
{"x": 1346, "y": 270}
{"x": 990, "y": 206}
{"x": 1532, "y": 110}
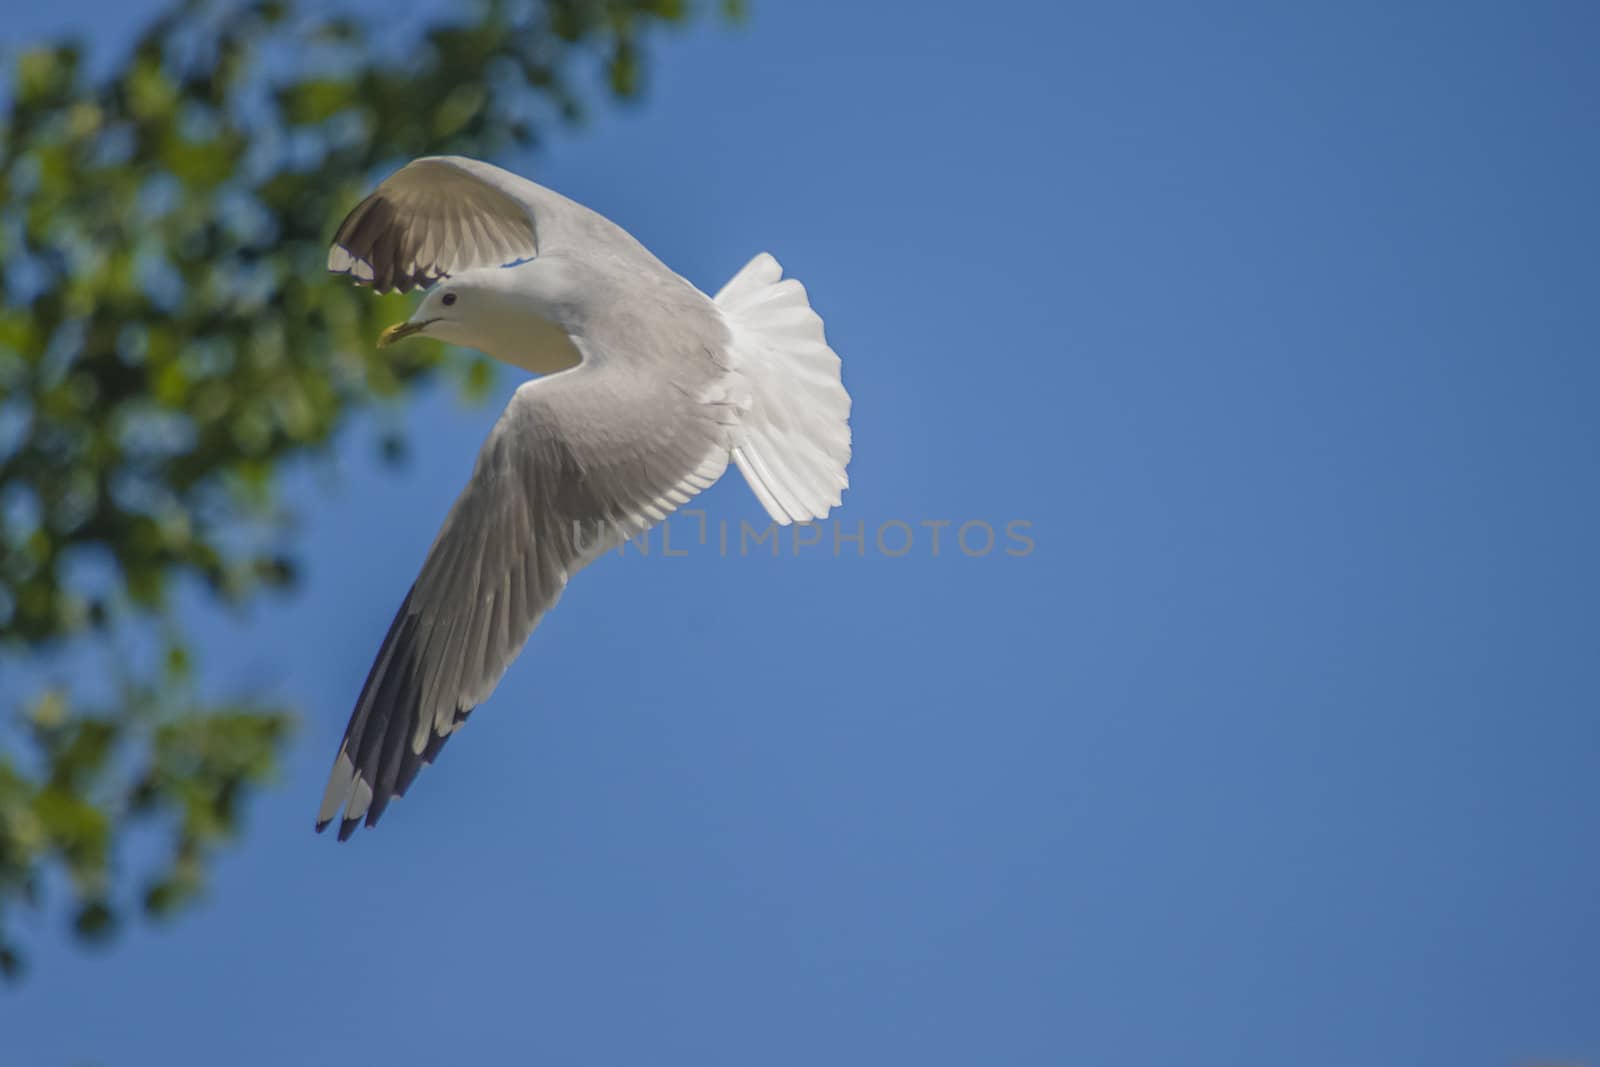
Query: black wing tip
{"x": 347, "y": 827}
{"x": 397, "y": 282}
{"x": 370, "y": 235}
{"x": 378, "y": 806}
{"x": 377, "y": 741}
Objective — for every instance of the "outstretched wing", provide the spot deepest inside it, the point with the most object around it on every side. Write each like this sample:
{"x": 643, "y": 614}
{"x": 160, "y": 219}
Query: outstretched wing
{"x": 431, "y": 218}
{"x": 555, "y": 485}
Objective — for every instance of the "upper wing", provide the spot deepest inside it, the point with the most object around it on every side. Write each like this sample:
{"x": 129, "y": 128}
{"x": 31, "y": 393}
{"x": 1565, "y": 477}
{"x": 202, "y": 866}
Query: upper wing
{"x": 435, "y": 216}
{"x": 578, "y": 460}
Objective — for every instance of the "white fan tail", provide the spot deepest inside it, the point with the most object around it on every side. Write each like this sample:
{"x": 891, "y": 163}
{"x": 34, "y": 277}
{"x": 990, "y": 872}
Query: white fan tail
{"x": 794, "y": 442}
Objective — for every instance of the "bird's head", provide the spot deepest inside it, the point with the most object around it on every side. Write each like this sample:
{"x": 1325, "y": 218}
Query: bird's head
{"x": 448, "y": 312}
{"x": 518, "y": 315}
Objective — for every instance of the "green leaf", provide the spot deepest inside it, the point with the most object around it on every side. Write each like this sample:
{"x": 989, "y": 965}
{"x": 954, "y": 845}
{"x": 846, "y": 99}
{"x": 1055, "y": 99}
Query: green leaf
{"x": 95, "y": 921}
{"x": 317, "y": 100}
{"x": 151, "y": 94}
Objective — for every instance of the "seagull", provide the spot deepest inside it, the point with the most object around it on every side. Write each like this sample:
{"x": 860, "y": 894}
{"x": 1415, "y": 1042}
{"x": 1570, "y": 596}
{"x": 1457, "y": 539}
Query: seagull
{"x": 647, "y": 388}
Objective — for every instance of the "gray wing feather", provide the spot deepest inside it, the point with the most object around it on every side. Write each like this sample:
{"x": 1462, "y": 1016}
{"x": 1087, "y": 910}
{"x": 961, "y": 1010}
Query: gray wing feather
{"x": 555, "y": 485}
{"x": 434, "y": 217}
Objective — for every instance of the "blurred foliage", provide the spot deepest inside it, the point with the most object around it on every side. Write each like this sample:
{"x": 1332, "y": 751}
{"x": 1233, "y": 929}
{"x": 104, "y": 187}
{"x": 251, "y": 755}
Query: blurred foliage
{"x": 169, "y": 340}
{"x": 156, "y": 759}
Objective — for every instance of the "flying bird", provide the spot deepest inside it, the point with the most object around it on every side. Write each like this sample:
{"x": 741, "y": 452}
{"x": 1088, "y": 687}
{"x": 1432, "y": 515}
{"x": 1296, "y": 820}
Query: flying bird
{"x": 647, "y": 389}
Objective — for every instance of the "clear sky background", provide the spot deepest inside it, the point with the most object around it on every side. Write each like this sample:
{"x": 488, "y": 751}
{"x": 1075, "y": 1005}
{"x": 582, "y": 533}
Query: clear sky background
{"x": 1279, "y": 325}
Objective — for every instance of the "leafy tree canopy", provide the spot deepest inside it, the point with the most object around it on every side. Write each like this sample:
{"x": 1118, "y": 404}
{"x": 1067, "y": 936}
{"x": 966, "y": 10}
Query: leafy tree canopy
{"x": 169, "y": 340}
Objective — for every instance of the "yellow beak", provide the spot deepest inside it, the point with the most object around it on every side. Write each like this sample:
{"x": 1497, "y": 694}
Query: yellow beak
{"x": 400, "y": 331}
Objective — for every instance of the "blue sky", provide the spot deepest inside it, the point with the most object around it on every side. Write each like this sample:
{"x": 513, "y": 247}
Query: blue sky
{"x": 1276, "y": 323}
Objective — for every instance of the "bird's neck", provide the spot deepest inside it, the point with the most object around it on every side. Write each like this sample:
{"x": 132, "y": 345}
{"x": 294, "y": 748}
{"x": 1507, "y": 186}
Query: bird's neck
{"x": 532, "y": 343}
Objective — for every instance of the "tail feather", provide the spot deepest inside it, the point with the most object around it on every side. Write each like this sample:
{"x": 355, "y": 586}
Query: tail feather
{"x": 794, "y": 442}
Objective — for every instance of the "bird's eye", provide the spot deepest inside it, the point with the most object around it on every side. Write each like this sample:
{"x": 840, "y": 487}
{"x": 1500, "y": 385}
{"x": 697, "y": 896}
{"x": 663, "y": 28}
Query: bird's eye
{"x": 449, "y": 298}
